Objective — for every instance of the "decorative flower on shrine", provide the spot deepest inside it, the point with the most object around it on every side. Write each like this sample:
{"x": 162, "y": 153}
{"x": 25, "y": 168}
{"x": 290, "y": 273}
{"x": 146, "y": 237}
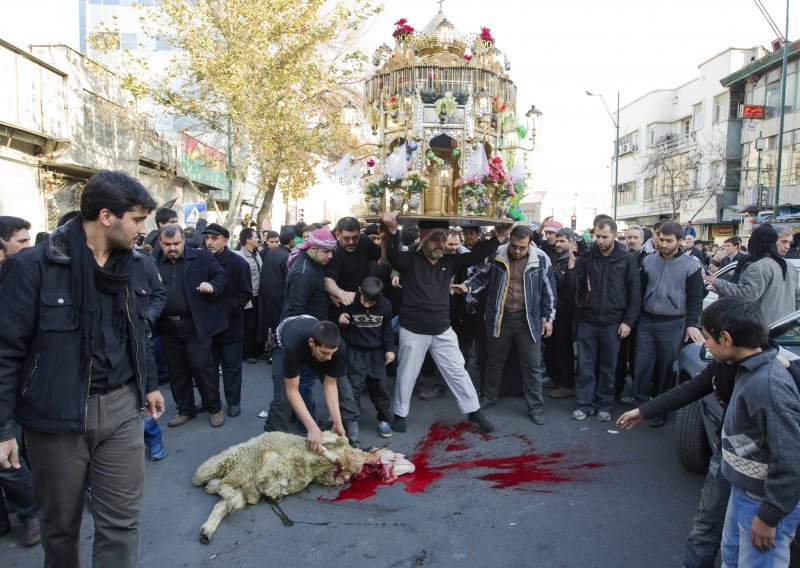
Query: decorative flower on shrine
{"x": 402, "y": 30}
{"x": 486, "y": 35}
{"x": 498, "y": 105}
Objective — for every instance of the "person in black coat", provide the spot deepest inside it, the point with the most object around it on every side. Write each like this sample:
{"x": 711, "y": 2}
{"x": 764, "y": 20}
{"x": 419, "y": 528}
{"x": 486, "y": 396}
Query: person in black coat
{"x": 191, "y": 317}
{"x": 273, "y": 281}
{"x": 227, "y": 345}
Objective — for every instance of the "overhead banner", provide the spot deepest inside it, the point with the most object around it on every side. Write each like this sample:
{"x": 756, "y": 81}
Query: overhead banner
{"x": 202, "y": 163}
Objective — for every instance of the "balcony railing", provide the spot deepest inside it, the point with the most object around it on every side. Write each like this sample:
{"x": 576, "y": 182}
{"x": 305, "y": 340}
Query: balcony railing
{"x": 674, "y": 141}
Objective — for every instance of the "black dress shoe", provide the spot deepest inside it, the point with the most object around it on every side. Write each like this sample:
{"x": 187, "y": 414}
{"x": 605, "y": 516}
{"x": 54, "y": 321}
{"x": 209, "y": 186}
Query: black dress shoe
{"x": 234, "y": 410}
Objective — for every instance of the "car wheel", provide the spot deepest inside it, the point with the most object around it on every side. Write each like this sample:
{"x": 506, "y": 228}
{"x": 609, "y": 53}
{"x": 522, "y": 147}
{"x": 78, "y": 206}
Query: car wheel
{"x": 689, "y": 438}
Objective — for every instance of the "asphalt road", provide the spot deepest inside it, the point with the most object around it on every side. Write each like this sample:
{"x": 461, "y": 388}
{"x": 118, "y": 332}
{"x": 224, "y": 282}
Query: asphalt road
{"x": 564, "y": 494}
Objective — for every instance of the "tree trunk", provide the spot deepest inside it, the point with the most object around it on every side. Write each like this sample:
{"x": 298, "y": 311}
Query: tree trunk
{"x": 271, "y": 183}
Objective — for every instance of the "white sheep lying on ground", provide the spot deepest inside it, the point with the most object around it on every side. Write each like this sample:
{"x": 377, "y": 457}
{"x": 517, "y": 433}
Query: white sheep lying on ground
{"x": 276, "y": 464}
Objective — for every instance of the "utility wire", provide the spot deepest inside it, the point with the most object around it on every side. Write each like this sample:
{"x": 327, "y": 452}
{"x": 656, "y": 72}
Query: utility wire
{"x": 769, "y": 19}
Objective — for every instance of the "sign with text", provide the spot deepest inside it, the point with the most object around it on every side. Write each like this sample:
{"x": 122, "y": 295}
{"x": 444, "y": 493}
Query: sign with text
{"x": 192, "y": 212}
{"x": 752, "y": 111}
{"x": 722, "y": 231}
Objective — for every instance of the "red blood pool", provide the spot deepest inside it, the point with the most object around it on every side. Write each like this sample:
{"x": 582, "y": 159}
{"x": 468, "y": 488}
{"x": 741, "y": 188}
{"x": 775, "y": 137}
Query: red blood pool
{"x": 519, "y": 471}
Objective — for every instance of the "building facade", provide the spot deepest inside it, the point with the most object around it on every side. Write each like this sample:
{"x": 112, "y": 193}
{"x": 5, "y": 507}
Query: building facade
{"x": 759, "y": 85}
{"x": 63, "y": 118}
{"x": 679, "y": 150}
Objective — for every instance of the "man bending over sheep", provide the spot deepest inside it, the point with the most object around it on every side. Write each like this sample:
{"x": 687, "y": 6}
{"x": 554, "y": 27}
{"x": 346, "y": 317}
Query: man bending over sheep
{"x": 308, "y": 342}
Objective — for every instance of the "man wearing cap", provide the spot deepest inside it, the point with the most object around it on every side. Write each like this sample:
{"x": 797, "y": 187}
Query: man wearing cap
{"x": 226, "y": 346}
{"x": 193, "y": 280}
{"x": 425, "y": 314}
{"x": 306, "y": 296}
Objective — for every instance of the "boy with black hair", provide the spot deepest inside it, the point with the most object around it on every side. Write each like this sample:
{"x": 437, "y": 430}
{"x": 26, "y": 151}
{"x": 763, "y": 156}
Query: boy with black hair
{"x": 759, "y": 441}
{"x": 367, "y": 330}
{"x": 760, "y": 435}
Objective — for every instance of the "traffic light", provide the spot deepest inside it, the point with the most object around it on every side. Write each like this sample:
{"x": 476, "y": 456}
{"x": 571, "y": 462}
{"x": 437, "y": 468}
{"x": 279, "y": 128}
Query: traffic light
{"x": 573, "y": 222}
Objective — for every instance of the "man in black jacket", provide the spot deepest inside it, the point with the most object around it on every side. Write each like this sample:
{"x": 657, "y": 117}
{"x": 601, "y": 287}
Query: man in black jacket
{"x": 271, "y": 293}
{"x": 76, "y": 370}
{"x": 608, "y": 298}
{"x": 191, "y": 318}
{"x": 227, "y": 345}
{"x": 558, "y": 349}
{"x": 425, "y": 315}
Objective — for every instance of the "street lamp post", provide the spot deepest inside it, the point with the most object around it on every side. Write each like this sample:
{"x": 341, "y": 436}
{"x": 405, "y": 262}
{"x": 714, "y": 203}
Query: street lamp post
{"x": 786, "y": 45}
{"x": 615, "y": 122}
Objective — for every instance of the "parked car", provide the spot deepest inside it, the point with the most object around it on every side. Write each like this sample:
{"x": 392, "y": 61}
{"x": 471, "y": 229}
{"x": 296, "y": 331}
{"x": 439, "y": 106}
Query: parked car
{"x": 695, "y": 436}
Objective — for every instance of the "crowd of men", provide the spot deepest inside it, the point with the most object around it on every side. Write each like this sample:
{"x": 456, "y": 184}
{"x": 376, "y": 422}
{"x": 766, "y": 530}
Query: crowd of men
{"x": 598, "y": 317}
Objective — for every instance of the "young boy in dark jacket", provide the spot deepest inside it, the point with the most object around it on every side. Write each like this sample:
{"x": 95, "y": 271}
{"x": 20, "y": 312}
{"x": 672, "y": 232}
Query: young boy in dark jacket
{"x": 759, "y": 436}
{"x": 367, "y": 330}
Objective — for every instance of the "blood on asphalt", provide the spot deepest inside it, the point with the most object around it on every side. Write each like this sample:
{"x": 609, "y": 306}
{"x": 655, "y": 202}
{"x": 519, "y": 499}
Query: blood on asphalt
{"x": 442, "y": 449}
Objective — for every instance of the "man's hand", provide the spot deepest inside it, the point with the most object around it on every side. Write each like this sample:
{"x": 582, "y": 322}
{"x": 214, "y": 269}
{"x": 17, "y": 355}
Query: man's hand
{"x": 458, "y": 289}
{"x": 344, "y": 319}
{"x": 694, "y": 334}
{"x": 9, "y": 454}
{"x": 389, "y": 357}
{"x": 205, "y": 288}
{"x": 339, "y": 429}
{"x": 314, "y": 440}
{"x": 762, "y": 535}
{"x": 624, "y": 330}
{"x": 390, "y": 220}
{"x": 155, "y": 404}
{"x": 347, "y": 298}
{"x": 629, "y": 419}
{"x": 396, "y": 282}
{"x": 543, "y": 224}
{"x": 502, "y": 231}
{"x": 547, "y": 329}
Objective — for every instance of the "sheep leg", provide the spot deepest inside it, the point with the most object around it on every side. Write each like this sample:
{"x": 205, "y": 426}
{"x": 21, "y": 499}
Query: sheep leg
{"x": 232, "y": 500}
{"x": 330, "y": 456}
{"x": 210, "y": 526}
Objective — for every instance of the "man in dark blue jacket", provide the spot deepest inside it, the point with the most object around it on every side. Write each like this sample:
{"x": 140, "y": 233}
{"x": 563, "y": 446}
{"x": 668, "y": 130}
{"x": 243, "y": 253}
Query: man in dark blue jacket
{"x": 191, "y": 318}
{"x": 227, "y": 346}
{"x": 76, "y": 371}
{"x": 608, "y": 298}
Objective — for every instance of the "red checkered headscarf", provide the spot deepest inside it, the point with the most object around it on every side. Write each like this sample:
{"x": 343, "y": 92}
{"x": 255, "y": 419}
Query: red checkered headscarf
{"x": 321, "y": 238}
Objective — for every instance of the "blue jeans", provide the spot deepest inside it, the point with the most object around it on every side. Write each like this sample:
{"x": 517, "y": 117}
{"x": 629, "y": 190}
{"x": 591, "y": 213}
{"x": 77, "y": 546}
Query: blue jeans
{"x": 598, "y": 346}
{"x": 279, "y": 409}
{"x": 737, "y": 550}
{"x": 152, "y": 432}
{"x": 703, "y": 543}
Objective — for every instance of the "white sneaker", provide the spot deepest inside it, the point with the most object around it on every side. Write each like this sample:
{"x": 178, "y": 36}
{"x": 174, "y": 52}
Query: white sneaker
{"x": 384, "y": 430}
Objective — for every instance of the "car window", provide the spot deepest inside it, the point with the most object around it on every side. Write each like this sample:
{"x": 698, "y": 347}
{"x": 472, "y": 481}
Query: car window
{"x": 788, "y": 336}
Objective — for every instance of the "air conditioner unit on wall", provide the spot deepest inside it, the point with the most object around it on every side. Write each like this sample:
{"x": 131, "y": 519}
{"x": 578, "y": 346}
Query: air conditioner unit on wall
{"x": 625, "y": 148}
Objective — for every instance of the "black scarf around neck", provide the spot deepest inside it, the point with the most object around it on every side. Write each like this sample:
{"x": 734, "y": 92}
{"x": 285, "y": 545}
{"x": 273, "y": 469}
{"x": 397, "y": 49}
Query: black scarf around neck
{"x": 87, "y": 278}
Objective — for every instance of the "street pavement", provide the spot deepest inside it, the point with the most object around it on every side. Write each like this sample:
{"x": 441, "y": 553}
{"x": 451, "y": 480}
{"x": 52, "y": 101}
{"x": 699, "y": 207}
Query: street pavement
{"x": 564, "y": 494}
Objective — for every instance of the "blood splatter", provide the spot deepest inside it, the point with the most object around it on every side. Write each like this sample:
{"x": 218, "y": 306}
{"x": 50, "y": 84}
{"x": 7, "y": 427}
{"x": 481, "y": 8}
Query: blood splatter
{"x": 433, "y": 458}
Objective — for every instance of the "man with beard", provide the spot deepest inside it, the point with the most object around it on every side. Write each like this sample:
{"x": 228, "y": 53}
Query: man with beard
{"x": 521, "y": 306}
{"x": 350, "y": 264}
{"x": 559, "y": 351}
{"x": 272, "y": 288}
{"x": 76, "y": 372}
{"x": 671, "y": 306}
{"x": 608, "y": 298}
{"x": 425, "y": 315}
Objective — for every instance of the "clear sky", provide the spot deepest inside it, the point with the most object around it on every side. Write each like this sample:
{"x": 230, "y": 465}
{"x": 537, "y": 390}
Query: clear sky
{"x": 562, "y": 48}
